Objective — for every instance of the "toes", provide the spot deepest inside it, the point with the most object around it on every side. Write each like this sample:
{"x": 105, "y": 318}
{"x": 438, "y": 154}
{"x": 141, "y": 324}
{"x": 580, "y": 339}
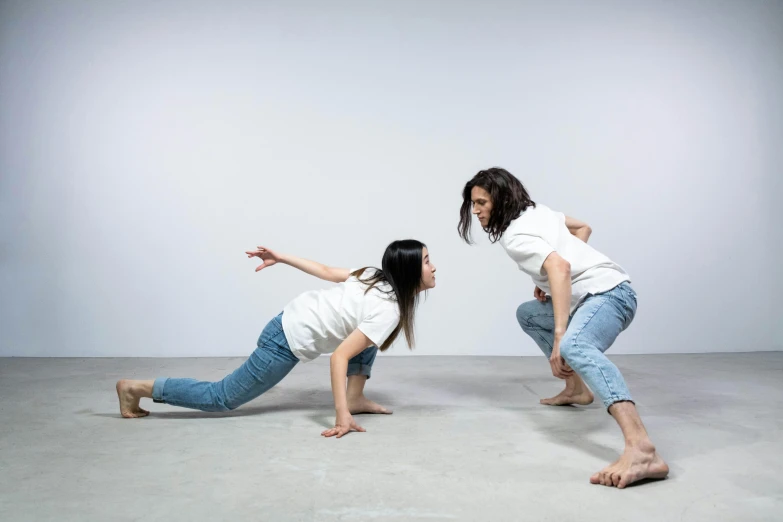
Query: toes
{"x": 615, "y": 475}
{"x": 134, "y": 414}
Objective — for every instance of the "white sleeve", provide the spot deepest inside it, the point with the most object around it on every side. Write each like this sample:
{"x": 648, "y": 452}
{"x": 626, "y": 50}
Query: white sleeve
{"x": 529, "y": 252}
{"x": 380, "y": 322}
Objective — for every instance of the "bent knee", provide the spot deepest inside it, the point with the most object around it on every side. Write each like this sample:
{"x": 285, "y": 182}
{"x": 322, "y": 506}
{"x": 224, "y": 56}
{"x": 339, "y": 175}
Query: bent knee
{"x": 219, "y": 405}
{"x": 222, "y": 403}
{"x": 525, "y": 312}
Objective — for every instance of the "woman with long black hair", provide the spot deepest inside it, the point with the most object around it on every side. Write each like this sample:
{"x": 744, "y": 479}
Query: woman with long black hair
{"x": 366, "y": 310}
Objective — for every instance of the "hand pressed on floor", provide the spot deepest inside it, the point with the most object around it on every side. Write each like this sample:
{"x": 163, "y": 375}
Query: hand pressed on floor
{"x": 342, "y": 425}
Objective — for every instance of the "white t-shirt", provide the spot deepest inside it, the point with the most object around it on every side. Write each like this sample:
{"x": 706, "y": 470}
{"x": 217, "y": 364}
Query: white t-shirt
{"x": 538, "y": 232}
{"x": 317, "y": 322}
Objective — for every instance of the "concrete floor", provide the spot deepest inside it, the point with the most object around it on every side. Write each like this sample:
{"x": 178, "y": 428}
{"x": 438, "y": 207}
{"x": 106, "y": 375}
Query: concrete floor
{"x": 467, "y": 441}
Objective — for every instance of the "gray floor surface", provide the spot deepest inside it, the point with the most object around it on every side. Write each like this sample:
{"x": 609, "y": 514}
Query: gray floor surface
{"x": 468, "y": 441}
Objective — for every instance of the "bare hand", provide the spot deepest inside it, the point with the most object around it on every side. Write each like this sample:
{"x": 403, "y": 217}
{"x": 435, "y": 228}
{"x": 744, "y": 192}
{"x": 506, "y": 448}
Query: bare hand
{"x": 267, "y": 256}
{"x": 342, "y": 425}
{"x": 560, "y": 368}
{"x": 539, "y": 294}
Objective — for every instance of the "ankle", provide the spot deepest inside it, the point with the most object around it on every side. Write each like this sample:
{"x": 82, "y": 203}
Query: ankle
{"x": 642, "y": 444}
{"x": 580, "y": 389}
{"x": 140, "y": 389}
{"x": 577, "y": 391}
{"x": 575, "y": 386}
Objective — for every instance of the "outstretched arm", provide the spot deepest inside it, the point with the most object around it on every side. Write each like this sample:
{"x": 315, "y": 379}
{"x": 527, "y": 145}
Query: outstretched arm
{"x": 327, "y": 273}
{"x": 578, "y": 228}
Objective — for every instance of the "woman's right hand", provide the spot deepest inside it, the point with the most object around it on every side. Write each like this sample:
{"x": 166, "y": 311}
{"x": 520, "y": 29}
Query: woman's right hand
{"x": 269, "y": 257}
{"x": 342, "y": 425}
{"x": 539, "y": 294}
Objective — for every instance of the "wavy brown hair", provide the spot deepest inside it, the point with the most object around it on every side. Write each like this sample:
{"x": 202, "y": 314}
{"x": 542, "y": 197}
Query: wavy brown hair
{"x": 401, "y": 271}
{"x": 509, "y": 200}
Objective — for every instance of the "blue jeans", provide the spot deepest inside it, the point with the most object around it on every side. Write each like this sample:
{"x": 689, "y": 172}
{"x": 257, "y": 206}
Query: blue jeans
{"x": 591, "y": 331}
{"x": 266, "y": 366}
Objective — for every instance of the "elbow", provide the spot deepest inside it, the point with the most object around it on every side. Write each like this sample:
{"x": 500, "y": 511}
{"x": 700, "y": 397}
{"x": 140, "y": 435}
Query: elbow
{"x": 337, "y": 275}
{"x": 563, "y": 268}
{"x": 331, "y": 275}
{"x": 556, "y": 267}
{"x": 336, "y": 359}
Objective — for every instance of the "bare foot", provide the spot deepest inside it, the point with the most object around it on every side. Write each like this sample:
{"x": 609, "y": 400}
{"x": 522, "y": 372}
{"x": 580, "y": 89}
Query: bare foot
{"x": 566, "y": 397}
{"x": 129, "y": 401}
{"x": 362, "y": 404}
{"x": 637, "y": 463}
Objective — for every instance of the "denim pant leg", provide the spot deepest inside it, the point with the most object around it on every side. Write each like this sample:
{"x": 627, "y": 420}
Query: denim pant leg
{"x": 362, "y": 364}
{"x": 595, "y": 326}
{"x": 266, "y": 366}
{"x": 537, "y": 319}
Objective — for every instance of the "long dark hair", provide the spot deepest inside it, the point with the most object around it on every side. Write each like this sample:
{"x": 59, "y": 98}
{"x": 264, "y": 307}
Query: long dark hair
{"x": 509, "y": 200}
{"x": 401, "y": 270}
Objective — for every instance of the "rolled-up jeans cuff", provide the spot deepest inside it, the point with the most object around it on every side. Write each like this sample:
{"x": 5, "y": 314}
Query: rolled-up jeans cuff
{"x": 617, "y": 398}
{"x": 359, "y": 369}
{"x": 157, "y": 389}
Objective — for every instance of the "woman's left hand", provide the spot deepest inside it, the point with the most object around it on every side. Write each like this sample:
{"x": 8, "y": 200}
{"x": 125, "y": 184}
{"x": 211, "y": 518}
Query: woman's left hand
{"x": 342, "y": 425}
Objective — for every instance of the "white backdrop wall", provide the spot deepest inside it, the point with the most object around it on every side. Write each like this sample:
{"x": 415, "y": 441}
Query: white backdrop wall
{"x": 145, "y": 145}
